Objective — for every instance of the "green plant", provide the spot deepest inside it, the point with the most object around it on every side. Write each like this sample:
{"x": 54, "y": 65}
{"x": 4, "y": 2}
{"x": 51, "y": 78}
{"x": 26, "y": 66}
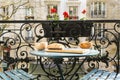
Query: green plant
{"x": 53, "y": 15}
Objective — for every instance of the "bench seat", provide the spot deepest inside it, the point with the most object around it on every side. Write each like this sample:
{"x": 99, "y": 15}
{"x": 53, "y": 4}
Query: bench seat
{"x": 97, "y": 74}
{"x": 17, "y": 74}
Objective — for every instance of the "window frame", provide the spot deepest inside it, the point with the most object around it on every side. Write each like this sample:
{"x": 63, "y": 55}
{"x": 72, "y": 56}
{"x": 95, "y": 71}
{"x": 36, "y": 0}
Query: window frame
{"x": 98, "y": 9}
{"x": 73, "y": 15}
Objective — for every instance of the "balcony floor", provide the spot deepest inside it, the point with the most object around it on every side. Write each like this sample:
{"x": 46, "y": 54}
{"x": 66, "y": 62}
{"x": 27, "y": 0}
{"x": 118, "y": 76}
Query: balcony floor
{"x": 39, "y": 70}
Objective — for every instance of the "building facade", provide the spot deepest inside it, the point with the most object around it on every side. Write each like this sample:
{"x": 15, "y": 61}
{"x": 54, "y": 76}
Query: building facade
{"x": 77, "y": 9}
{"x": 40, "y": 9}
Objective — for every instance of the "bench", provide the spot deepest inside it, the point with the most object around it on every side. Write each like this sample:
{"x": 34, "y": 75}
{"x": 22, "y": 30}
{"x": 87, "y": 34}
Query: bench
{"x": 97, "y": 74}
{"x": 16, "y": 74}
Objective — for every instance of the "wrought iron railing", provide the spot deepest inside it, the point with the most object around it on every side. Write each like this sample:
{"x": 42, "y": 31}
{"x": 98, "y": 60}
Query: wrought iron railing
{"x": 21, "y": 36}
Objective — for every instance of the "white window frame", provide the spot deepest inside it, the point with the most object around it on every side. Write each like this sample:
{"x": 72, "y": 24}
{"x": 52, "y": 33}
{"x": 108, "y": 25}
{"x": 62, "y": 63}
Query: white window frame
{"x": 98, "y": 9}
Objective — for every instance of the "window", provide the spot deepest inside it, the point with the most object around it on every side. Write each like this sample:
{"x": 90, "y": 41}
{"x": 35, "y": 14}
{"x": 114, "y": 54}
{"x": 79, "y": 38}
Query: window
{"x": 97, "y": 9}
{"x": 29, "y": 13}
{"x": 52, "y": 12}
{"x": 51, "y": 7}
{"x": 99, "y": 29}
{"x": 73, "y": 12}
{"x": 4, "y": 12}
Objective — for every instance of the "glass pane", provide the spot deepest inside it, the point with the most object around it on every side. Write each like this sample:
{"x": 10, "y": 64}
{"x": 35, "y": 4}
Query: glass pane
{"x": 99, "y": 8}
{"x": 95, "y": 8}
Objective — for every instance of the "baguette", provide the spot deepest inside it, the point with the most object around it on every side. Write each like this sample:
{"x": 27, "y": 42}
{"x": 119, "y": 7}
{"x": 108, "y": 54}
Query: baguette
{"x": 55, "y": 46}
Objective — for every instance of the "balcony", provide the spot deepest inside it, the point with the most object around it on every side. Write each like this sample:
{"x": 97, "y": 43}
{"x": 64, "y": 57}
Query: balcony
{"x": 18, "y": 35}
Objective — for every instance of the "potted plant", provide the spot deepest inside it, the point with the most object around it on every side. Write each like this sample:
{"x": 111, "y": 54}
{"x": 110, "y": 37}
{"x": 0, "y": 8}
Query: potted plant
{"x": 53, "y": 15}
{"x": 66, "y": 15}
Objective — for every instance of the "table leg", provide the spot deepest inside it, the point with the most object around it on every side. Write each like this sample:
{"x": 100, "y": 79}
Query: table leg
{"x": 60, "y": 71}
{"x": 58, "y": 62}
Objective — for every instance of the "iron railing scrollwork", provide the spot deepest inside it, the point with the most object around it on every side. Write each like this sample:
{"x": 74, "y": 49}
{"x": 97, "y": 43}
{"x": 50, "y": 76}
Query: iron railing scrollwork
{"x": 22, "y": 36}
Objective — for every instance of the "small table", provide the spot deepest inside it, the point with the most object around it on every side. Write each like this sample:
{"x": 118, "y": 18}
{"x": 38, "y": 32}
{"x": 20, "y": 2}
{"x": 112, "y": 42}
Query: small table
{"x": 58, "y": 55}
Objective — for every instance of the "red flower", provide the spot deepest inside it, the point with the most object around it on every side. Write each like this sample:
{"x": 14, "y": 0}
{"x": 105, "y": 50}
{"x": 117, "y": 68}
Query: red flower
{"x": 66, "y": 15}
{"x": 84, "y": 11}
{"x": 53, "y": 10}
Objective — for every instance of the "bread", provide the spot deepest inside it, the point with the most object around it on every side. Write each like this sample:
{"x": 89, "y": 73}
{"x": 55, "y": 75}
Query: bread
{"x": 55, "y": 46}
{"x": 40, "y": 46}
{"x": 85, "y": 45}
